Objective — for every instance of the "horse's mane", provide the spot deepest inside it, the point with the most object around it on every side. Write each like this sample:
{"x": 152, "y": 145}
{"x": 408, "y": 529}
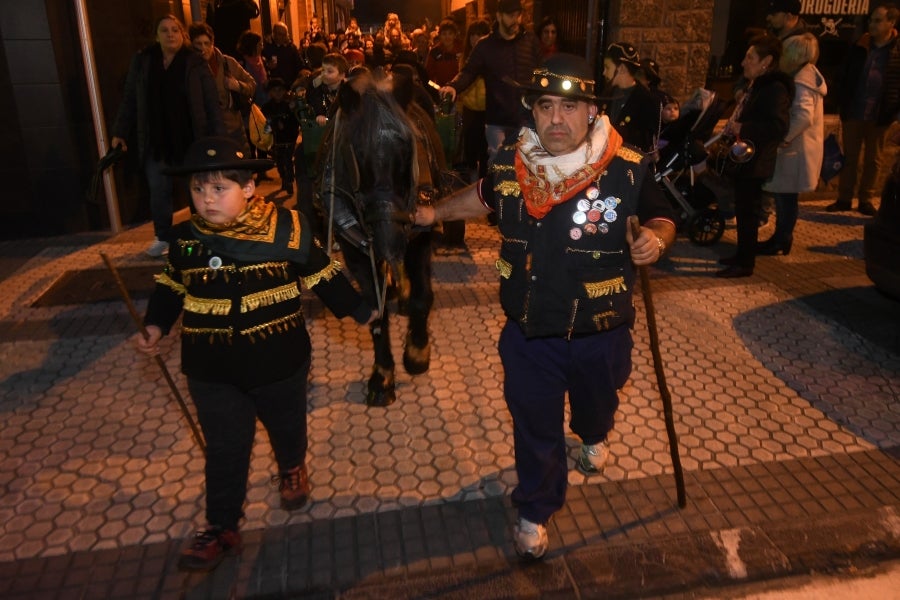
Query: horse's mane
{"x": 380, "y": 133}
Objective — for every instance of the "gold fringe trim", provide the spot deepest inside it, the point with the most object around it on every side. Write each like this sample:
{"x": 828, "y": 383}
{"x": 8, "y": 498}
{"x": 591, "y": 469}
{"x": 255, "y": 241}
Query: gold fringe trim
{"x": 224, "y": 334}
{"x": 601, "y": 320}
{"x": 327, "y": 273}
{"x": 278, "y": 325}
{"x": 629, "y": 154}
{"x": 605, "y": 288}
{"x": 270, "y": 268}
{"x": 207, "y": 306}
{"x": 164, "y": 279}
{"x": 504, "y": 267}
{"x": 269, "y": 297}
{"x": 508, "y": 188}
{"x": 206, "y": 273}
{"x": 294, "y": 240}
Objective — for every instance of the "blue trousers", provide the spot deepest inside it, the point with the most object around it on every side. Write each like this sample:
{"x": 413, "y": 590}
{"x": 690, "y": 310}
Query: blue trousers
{"x": 227, "y": 416}
{"x": 538, "y": 374}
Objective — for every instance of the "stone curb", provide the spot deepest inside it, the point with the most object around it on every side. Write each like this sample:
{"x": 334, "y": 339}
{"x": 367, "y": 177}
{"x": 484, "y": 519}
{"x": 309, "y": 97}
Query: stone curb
{"x": 696, "y": 562}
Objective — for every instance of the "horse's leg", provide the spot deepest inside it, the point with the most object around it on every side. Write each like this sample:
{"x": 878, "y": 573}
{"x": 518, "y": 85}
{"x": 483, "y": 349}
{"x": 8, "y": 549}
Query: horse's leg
{"x": 380, "y": 389}
{"x": 417, "y": 350}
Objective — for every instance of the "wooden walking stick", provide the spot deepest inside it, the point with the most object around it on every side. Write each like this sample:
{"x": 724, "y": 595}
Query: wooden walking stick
{"x": 195, "y": 431}
{"x": 660, "y": 374}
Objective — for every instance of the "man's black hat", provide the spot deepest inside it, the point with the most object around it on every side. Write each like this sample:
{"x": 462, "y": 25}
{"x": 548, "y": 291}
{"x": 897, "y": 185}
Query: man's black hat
{"x": 217, "y": 154}
{"x": 623, "y": 52}
{"x": 562, "y": 74}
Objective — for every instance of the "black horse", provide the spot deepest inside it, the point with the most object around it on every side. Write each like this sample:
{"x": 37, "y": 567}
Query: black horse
{"x": 374, "y": 164}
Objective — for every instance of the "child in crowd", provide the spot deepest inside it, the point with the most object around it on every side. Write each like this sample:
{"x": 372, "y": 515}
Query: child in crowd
{"x": 235, "y": 270}
{"x": 325, "y": 86}
{"x": 670, "y": 109}
{"x": 281, "y": 116}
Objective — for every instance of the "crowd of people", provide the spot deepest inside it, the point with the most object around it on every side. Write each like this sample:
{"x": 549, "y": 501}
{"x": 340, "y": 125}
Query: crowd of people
{"x": 561, "y": 164}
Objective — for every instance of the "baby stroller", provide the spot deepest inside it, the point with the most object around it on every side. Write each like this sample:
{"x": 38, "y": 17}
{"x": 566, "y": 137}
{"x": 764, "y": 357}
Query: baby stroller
{"x": 681, "y": 151}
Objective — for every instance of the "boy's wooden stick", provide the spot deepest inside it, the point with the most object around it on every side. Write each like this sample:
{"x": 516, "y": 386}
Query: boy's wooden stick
{"x": 198, "y": 437}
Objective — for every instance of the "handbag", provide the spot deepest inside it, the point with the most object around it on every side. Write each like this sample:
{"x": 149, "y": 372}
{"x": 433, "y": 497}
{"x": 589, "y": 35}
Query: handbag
{"x": 832, "y": 158}
{"x": 260, "y": 133}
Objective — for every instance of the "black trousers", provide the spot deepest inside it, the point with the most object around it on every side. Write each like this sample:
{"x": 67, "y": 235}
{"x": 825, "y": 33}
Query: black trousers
{"x": 747, "y": 203}
{"x": 227, "y": 416}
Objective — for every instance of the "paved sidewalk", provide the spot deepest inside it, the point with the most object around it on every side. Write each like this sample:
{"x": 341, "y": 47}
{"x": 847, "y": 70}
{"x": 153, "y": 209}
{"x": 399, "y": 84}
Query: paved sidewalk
{"x": 787, "y": 406}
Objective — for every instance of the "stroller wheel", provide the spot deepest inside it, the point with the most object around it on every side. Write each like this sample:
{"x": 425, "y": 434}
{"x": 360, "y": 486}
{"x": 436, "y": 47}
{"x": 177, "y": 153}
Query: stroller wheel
{"x": 706, "y": 228}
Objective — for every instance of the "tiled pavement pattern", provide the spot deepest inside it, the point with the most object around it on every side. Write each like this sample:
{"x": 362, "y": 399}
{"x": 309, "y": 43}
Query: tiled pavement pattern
{"x": 785, "y": 386}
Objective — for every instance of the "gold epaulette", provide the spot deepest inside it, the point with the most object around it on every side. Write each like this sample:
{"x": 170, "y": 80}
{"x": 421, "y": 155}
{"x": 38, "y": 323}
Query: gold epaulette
{"x": 269, "y": 297}
{"x": 629, "y": 154}
{"x": 508, "y": 188}
{"x": 164, "y": 279}
{"x": 333, "y": 268}
{"x": 595, "y": 289}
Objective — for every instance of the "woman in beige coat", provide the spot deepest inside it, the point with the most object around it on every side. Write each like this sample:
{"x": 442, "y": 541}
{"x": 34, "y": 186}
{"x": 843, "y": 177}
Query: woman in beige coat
{"x": 799, "y": 159}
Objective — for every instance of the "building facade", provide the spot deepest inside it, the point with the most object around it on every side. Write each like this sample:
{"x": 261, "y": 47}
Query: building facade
{"x": 50, "y": 141}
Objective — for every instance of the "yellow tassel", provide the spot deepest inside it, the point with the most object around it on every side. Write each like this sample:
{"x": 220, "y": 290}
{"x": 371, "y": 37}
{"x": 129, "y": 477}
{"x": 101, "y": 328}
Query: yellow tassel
{"x": 325, "y": 274}
{"x": 504, "y": 267}
{"x": 164, "y": 279}
{"x": 207, "y": 306}
{"x": 609, "y": 287}
{"x": 269, "y": 297}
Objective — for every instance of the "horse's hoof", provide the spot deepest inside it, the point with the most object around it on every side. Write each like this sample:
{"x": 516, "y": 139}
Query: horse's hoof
{"x": 381, "y": 397}
{"x": 381, "y": 388}
{"x": 416, "y": 359}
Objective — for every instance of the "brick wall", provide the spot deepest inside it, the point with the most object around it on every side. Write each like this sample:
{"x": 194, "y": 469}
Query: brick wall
{"x": 675, "y": 33}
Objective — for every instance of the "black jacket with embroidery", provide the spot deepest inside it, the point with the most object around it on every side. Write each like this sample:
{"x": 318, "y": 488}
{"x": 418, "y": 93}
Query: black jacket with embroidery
{"x": 562, "y": 276}
{"x": 243, "y": 319}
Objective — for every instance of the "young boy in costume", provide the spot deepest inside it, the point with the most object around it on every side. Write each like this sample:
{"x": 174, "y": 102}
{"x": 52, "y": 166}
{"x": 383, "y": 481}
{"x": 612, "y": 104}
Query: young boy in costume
{"x": 235, "y": 270}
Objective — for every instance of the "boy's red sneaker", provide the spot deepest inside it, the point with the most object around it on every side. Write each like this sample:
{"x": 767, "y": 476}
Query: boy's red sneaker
{"x": 209, "y": 548}
{"x": 294, "y": 488}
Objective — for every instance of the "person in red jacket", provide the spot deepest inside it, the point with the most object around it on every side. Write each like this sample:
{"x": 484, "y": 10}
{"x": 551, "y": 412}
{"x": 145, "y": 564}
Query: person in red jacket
{"x": 442, "y": 62}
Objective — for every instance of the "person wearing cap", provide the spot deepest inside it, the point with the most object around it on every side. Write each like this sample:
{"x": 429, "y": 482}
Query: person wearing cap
{"x": 235, "y": 273}
{"x": 783, "y": 19}
{"x": 566, "y": 194}
{"x": 869, "y": 102}
{"x": 632, "y": 109}
{"x": 505, "y": 57}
